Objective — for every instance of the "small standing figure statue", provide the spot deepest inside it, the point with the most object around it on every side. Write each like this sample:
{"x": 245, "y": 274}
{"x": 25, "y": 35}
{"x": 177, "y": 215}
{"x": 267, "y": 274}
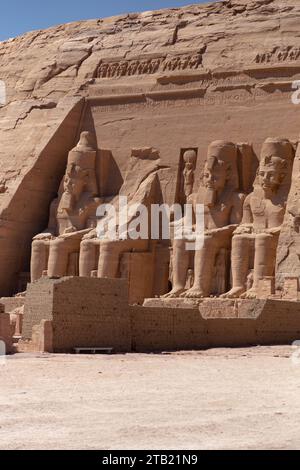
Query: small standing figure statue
{"x": 189, "y": 158}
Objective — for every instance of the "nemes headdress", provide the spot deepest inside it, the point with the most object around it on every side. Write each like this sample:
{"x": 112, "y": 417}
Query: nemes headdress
{"x": 84, "y": 154}
{"x": 223, "y": 152}
{"x": 277, "y": 152}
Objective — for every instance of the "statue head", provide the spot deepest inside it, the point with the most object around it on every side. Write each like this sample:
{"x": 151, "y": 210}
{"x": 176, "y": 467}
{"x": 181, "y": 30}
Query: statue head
{"x": 75, "y": 180}
{"x": 220, "y": 170}
{"x": 86, "y": 144}
{"x": 189, "y": 158}
{"x": 220, "y": 166}
{"x": 275, "y": 162}
{"x": 215, "y": 175}
{"x": 80, "y": 174}
{"x": 81, "y": 166}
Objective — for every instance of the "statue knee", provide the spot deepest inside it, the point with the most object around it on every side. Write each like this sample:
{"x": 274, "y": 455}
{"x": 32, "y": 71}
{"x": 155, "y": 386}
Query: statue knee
{"x": 238, "y": 240}
{"x": 263, "y": 238}
{"x": 58, "y": 244}
{"x": 58, "y": 250}
{"x": 106, "y": 245}
{"x": 86, "y": 246}
{"x": 113, "y": 246}
{"x": 38, "y": 245}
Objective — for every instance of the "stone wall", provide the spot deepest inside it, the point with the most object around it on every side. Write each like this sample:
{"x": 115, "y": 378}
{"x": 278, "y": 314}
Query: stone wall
{"x": 11, "y": 303}
{"x": 84, "y": 312}
{"x": 156, "y": 329}
{"x": 95, "y": 313}
{"x": 206, "y": 72}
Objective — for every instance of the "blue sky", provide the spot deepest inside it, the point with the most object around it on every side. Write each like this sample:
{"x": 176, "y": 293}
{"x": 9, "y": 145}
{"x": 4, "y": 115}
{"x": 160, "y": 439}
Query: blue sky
{"x": 20, "y": 16}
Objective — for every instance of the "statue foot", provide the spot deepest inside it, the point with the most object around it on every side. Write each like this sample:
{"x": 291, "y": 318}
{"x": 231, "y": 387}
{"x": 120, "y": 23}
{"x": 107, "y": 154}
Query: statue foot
{"x": 193, "y": 293}
{"x": 173, "y": 294}
{"x": 249, "y": 294}
{"x": 234, "y": 293}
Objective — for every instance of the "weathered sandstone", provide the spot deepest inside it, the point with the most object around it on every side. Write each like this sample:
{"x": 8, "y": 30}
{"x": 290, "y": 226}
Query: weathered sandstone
{"x": 196, "y": 105}
{"x": 172, "y": 79}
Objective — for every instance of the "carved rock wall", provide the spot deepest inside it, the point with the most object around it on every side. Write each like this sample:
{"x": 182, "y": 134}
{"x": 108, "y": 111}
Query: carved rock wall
{"x": 95, "y": 313}
{"x": 170, "y": 79}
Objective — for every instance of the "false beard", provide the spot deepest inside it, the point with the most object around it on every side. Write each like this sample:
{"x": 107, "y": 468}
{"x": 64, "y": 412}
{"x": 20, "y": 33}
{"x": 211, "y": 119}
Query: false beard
{"x": 210, "y": 197}
{"x": 66, "y": 202}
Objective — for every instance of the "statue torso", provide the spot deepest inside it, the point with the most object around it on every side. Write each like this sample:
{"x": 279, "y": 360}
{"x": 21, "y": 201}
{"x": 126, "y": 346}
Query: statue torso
{"x": 267, "y": 213}
{"x": 217, "y": 215}
{"x": 76, "y": 215}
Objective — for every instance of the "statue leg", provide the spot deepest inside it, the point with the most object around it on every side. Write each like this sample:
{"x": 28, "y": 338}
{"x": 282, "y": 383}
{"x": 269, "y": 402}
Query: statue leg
{"x": 39, "y": 258}
{"x": 203, "y": 269}
{"x": 60, "y": 248}
{"x": 180, "y": 268}
{"x": 111, "y": 251}
{"x": 88, "y": 257}
{"x": 239, "y": 265}
{"x": 264, "y": 260}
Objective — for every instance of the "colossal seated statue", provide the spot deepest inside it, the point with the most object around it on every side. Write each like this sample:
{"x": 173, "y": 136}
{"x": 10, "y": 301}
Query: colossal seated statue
{"x": 222, "y": 198}
{"x": 263, "y": 215}
{"x": 141, "y": 185}
{"x": 72, "y": 214}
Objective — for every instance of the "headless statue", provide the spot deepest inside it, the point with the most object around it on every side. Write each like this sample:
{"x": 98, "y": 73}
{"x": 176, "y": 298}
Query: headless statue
{"x": 72, "y": 214}
{"x": 222, "y": 213}
{"x": 263, "y": 215}
{"x": 141, "y": 186}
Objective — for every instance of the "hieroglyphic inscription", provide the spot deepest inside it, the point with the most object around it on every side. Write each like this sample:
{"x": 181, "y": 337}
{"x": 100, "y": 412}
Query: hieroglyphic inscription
{"x": 210, "y": 99}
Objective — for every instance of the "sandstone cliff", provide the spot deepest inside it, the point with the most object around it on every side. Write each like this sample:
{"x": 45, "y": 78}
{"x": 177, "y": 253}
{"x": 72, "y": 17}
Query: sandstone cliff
{"x": 171, "y": 79}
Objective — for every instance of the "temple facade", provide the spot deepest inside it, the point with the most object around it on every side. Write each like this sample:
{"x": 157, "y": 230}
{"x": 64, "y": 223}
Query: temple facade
{"x": 194, "y": 106}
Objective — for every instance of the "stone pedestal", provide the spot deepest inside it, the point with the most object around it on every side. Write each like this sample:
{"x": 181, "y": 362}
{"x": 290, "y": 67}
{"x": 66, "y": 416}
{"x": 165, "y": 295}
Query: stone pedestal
{"x": 172, "y": 303}
{"x": 266, "y": 287}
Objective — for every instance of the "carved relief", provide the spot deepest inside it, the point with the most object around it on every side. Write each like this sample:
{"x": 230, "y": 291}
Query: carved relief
{"x": 277, "y": 54}
{"x": 127, "y": 68}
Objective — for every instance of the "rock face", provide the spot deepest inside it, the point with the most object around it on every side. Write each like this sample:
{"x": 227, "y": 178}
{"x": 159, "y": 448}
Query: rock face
{"x": 174, "y": 80}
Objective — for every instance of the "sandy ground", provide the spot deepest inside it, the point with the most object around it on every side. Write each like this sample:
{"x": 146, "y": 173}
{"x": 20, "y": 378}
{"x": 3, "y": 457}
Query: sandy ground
{"x": 216, "y": 399}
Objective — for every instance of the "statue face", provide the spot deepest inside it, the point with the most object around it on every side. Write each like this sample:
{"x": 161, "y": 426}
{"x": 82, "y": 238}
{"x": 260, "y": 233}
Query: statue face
{"x": 189, "y": 158}
{"x": 189, "y": 166}
{"x": 214, "y": 176}
{"x": 270, "y": 177}
{"x": 74, "y": 181}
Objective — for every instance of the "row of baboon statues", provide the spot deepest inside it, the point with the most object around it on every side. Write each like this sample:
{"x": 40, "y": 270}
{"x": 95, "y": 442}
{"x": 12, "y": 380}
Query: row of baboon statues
{"x": 281, "y": 55}
{"x": 245, "y": 223}
{"x": 148, "y": 66}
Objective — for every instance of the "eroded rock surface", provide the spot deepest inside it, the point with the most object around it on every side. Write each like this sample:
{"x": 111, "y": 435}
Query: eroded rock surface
{"x": 174, "y": 80}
